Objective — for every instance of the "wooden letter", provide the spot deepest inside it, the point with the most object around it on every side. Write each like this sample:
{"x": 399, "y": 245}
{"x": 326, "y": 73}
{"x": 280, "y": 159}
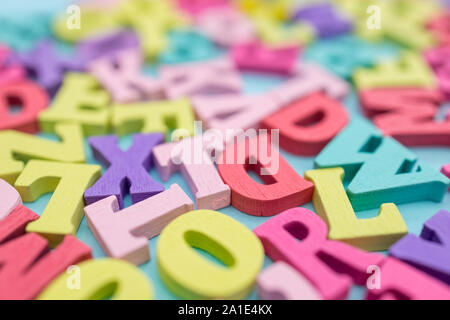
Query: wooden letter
{"x": 157, "y": 116}
{"x": 201, "y": 78}
{"x": 189, "y": 275}
{"x": 232, "y": 111}
{"x": 308, "y": 124}
{"x": 280, "y": 281}
{"x": 256, "y": 56}
{"x": 431, "y": 251}
{"x": 307, "y": 79}
{"x": 409, "y": 71}
{"x": 48, "y": 66}
{"x": 332, "y": 205}
{"x": 10, "y": 199}
{"x": 124, "y": 233}
{"x": 25, "y": 147}
{"x": 331, "y": 266}
{"x": 380, "y": 169}
{"x": 225, "y": 26}
{"x": 32, "y": 100}
{"x": 408, "y": 115}
{"x": 120, "y": 75}
{"x": 402, "y": 282}
{"x": 100, "y": 279}
{"x": 399, "y": 100}
{"x": 127, "y": 170}
{"x": 64, "y": 212}
{"x": 190, "y": 157}
{"x": 15, "y": 223}
{"x": 28, "y": 265}
{"x": 283, "y": 189}
{"x": 9, "y": 72}
{"x": 79, "y": 100}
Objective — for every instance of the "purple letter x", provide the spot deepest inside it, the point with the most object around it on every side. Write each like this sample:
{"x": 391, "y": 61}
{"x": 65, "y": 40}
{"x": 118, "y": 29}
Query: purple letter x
{"x": 126, "y": 169}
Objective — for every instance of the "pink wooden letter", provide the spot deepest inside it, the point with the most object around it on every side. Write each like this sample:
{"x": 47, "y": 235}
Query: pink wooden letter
{"x": 403, "y": 282}
{"x": 331, "y": 266}
{"x": 120, "y": 75}
{"x": 201, "y": 78}
{"x": 10, "y": 199}
{"x": 124, "y": 234}
{"x": 256, "y": 56}
{"x": 225, "y": 26}
{"x": 280, "y": 281}
{"x": 189, "y": 157}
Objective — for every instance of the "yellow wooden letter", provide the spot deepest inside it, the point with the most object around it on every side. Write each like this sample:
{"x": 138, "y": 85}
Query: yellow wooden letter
{"x": 333, "y": 206}
{"x": 92, "y": 21}
{"x": 406, "y": 31}
{"x": 403, "y": 21}
{"x": 160, "y": 116}
{"x": 16, "y": 147}
{"x": 409, "y": 71}
{"x": 276, "y": 34}
{"x": 152, "y": 32}
{"x": 189, "y": 275}
{"x": 279, "y": 10}
{"x": 98, "y": 280}
{"x": 64, "y": 211}
{"x": 79, "y": 100}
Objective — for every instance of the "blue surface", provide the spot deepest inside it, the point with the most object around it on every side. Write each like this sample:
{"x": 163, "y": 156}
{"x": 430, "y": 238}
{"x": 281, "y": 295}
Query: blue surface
{"x": 414, "y": 214}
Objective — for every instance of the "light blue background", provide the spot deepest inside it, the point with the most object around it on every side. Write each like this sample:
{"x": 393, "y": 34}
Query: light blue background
{"x": 414, "y": 213}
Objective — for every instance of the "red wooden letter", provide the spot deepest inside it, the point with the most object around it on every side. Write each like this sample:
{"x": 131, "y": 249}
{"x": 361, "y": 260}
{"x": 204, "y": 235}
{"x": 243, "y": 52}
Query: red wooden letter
{"x": 15, "y": 223}
{"x": 284, "y": 188}
{"x": 308, "y": 124}
{"x": 31, "y": 97}
{"x": 26, "y": 263}
{"x": 408, "y": 115}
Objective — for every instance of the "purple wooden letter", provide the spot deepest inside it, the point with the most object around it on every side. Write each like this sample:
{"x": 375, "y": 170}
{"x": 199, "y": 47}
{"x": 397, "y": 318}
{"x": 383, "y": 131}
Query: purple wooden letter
{"x": 106, "y": 45}
{"x": 127, "y": 170}
{"x": 431, "y": 251}
{"x": 325, "y": 19}
{"x": 44, "y": 63}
